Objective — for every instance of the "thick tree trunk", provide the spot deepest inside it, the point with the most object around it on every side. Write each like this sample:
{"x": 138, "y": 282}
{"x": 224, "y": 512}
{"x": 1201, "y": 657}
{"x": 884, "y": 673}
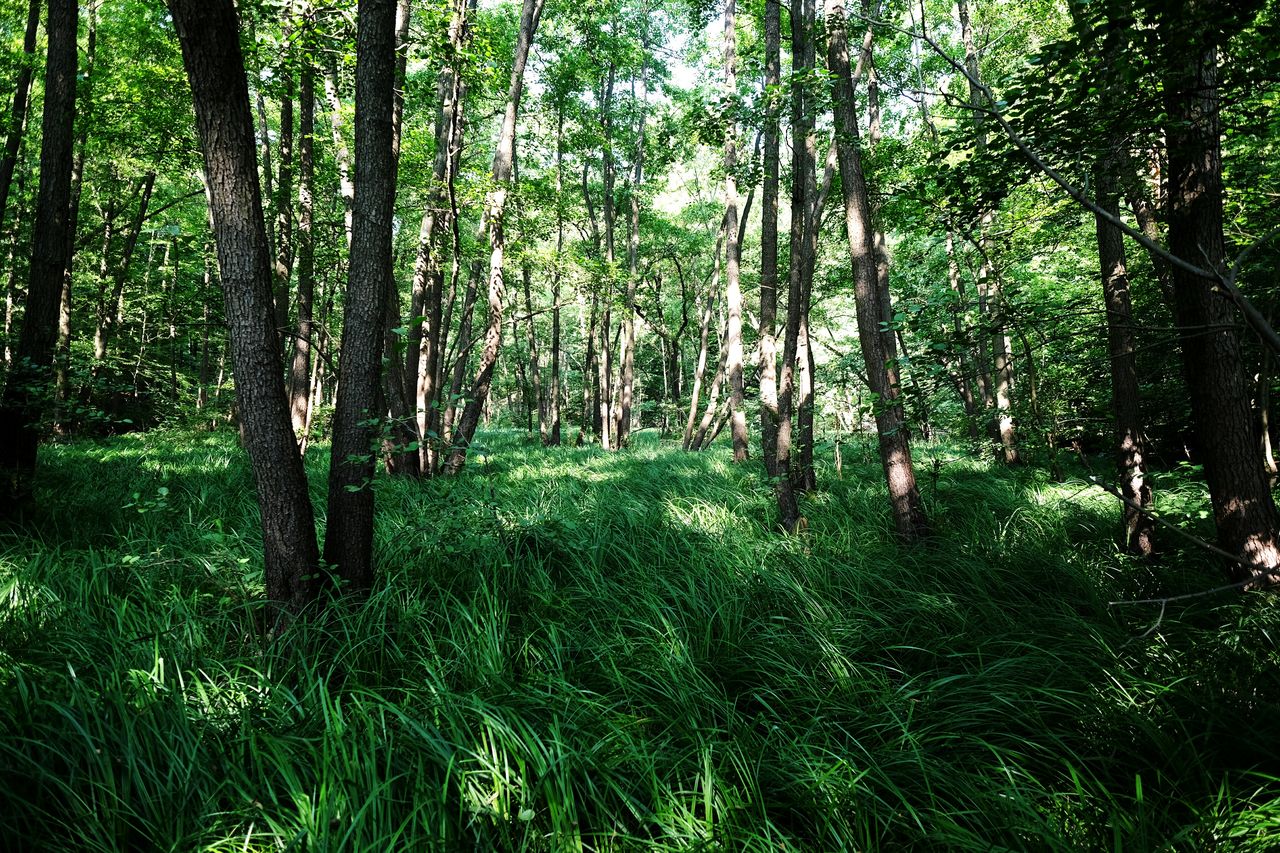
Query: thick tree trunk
{"x": 1238, "y": 487}
{"x": 18, "y": 114}
{"x": 348, "y": 542}
{"x": 495, "y": 213}
{"x": 28, "y": 379}
{"x": 869, "y": 296}
{"x": 210, "y": 38}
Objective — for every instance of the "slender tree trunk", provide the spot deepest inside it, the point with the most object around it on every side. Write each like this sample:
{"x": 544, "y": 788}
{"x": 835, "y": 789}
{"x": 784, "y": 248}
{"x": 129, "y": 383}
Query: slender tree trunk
{"x": 300, "y": 369}
{"x": 21, "y": 405}
{"x": 18, "y": 114}
{"x": 802, "y": 56}
{"x": 769, "y": 242}
{"x": 869, "y": 296}
{"x": 462, "y": 359}
{"x": 62, "y": 357}
{"x": 341, "y": 154}
{"x": 1238, "y": 487}
{"x": 283, "y": 264}
{"x": 110, "y": 312}
{"x": 210, "y": 38}
{"x": 733, "y": 246}
{"x": 552, "y": 437}
{"x": 700, "y": 368}
{"x": 495, "y": 213}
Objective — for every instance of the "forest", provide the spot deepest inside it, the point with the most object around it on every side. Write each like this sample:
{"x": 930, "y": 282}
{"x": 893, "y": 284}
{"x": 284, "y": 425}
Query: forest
{"x": 639, "y": 425}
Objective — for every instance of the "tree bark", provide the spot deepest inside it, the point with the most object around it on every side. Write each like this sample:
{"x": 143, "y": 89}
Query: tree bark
{"x": 733, "y": 245}
{"x": 28, "y": 380}
{"x": 348, "y": 543}
{"x": 1239, "y": 491}
{"x": 769, "y": 241}
{"x": 878, "y": 354}
{"x": 300, "y": 369}
{"x": 209, "y": 33}
{"x": 495, "y": 213}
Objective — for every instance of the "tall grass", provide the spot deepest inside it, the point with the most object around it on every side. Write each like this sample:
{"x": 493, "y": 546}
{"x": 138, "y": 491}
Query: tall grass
{"x": 573, "y": 650}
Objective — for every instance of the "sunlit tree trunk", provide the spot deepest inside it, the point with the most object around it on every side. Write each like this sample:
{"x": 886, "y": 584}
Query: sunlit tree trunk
{"x": 733, "y": 245}
{"x": 869, "y": 296}
{"x": 769, "y": 241}
{"x": 495, "y": 213}
{"x": 300, "y": 369}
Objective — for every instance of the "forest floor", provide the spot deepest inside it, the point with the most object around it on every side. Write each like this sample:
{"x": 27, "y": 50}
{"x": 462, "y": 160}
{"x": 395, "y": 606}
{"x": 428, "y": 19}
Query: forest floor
{"x": 570, "y": 649}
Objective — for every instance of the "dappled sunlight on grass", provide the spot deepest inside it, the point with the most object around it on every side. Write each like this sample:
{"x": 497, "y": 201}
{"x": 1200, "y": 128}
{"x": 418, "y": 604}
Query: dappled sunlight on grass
{"x": 576, "y": 649}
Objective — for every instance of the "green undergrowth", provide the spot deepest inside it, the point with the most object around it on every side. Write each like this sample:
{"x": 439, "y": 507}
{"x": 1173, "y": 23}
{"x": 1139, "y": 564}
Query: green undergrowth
{"x": 569, "y": 649}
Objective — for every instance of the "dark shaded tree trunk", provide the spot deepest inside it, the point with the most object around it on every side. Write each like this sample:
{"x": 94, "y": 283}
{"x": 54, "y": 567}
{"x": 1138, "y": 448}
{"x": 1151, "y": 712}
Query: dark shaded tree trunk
{"x": 769, "y": 242}
{"x": 1212, "y": 361}
{"x": 209, "y": 33}
{"x": 877, "y": 350}
{"x": 27, "y": 385}
{"x": 348, "y": 542}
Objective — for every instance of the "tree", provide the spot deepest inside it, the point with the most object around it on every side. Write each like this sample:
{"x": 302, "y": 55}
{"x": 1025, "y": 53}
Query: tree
{"x": 209, "y": 33}
{"x": 348, "y": 544}
{"x": 870, "y": 291}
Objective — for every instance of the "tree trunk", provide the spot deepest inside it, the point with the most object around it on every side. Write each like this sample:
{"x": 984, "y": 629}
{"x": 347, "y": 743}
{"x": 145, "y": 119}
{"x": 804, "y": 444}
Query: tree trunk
{"x": 878, "y": 354}
{"x": 18, "y": 115}
{"x": 802, "y": 167}
{"x": 110, "y": 313}
{"x": 210, "y": 38}
{"x": 341, "y": 155}
{"x": 733, "y": 245}
{"x": 1238, "y": 487}
{"x": 348, "y": 542}
{"x": 700, "y": 368}
{"x": 283, "y": 265}
{"x": 300, "y": 369}
{"x": 28, "y": 379}
{"x": 769, "y": 242}
{"x": 503, "y": 161}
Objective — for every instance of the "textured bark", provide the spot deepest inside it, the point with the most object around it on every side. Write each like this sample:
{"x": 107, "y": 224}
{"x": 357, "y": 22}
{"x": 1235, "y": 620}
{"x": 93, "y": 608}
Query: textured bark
{"x": 1139, "y": 529}
{"x": 627, "y": 355}
{"x": 733, "y": 245}
{"x": 18, "y": 114}
{"x": 878, "y": 355}
{"x": 300, "y": 368}
{"x": 495, "y": 213}
{"x": 348, "y": 543}
{"x": 426, "y": 335}
{"x": 769, "y": 243}
{"x": 209, "y": 33}
{"x": 1212, "y": 362}
{"x": 28, "y": 381}
{"x": 802, "y": 56}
